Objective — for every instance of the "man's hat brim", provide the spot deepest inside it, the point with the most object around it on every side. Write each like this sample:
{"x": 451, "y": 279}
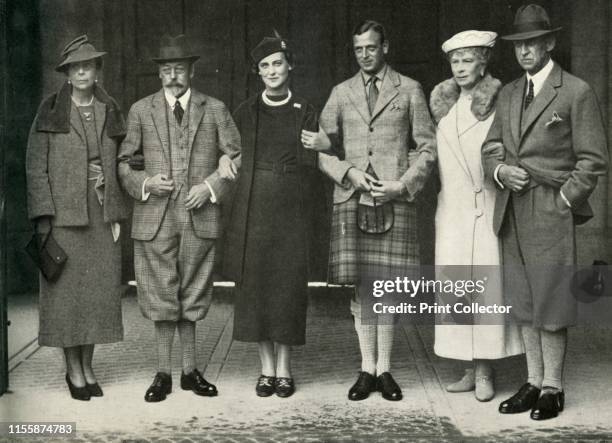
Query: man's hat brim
{"x": 191, "y": 58}
{"x": 78, "y": 56}
{"x": 529, "y": 34}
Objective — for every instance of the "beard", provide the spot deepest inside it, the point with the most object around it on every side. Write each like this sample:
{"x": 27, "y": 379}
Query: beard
{"x": 176, "y": 89}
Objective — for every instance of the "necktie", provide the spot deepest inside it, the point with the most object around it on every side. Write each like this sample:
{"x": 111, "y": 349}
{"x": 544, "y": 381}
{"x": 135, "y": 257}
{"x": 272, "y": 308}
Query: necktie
{"x": 372, "y": 94}
{"x": 529, "y": 96}
{"x": 178, "y": 112}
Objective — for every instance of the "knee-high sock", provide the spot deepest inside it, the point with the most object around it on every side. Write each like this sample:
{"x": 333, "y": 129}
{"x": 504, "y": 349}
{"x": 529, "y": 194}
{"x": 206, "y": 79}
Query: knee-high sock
{"x": 533, "y": 355}
{"x": 385, "y": 345}
{"x": 367, "y": 344}
{"x": 164, "y": 333}
{"x": 554, "y": 345}
{"x": 186, "y": 330}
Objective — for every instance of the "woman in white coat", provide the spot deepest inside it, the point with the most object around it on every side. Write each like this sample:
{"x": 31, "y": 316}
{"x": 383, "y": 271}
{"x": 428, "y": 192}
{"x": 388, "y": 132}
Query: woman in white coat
{"x": 463, "y": 108}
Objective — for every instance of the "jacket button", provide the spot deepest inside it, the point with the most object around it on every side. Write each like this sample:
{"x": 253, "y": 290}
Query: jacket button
{"x": 477, "y": 189}
{"x": 478, "y": 212}
{"x": 371, "y": 129}
{"x": 370, "y": 153}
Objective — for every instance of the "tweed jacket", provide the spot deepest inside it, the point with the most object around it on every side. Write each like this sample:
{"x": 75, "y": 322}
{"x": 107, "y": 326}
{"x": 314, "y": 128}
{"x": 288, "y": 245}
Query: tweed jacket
{"x": 561, "y": 144}
{"x": 212, "y": 133}
{"x": 399, "y": 123}
{"x": 56, "y": 160}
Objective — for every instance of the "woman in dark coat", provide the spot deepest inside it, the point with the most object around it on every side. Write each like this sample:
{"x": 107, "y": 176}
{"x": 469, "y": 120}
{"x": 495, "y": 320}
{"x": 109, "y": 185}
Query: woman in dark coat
{"x": 73, "y": 192}
{"x": 271, "y": 217}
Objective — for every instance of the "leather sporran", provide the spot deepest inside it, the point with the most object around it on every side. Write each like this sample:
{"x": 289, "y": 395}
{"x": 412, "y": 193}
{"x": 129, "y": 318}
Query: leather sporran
{"x": 375, "y": 218}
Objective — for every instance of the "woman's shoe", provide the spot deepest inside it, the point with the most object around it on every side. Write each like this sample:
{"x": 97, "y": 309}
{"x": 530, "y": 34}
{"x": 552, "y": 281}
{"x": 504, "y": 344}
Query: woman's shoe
{"x": 284, "y": 387}
{"x": 485, "y": 389}
{"x": 77, "y": 393}
{"x": 466, "y": 384}
{"x": 265, "y": 386}
{"x": 94, "y": 389}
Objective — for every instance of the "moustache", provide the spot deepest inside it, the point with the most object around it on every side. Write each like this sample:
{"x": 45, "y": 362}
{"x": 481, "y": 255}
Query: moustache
{"x": 180, "y": 85}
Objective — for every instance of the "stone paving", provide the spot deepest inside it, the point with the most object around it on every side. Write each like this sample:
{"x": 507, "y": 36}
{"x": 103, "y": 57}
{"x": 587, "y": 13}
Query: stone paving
{"x": 319, "y": 411}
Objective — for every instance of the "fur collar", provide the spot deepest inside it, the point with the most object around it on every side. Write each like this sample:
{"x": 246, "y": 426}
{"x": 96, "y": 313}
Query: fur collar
{"x": 446, "y": 94}
{"x": 54, "y": 113}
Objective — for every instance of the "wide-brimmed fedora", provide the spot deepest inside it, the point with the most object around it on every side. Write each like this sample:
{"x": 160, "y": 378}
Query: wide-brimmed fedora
{"x": 530, "y": 21}
{"x": 78, "y": 50}
{"x": 174, "y": 48}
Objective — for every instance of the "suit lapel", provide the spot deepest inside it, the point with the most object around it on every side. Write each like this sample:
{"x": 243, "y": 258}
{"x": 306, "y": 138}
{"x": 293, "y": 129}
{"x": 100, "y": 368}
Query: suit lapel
{"x": 158, "y": 113}
{"x": 357, "y": 96}
{"x": 516, "y": 102}
{"x": 448, "y": 128}
{"x": 388, "y": 91}
{"x": 76, "y": 123}
{"x": 543, "y": 99}
{"x": 196, "y": 112}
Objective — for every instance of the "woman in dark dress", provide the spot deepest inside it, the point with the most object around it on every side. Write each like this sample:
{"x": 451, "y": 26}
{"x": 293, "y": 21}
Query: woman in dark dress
{"x": 71, "y": 170}
{"x": 271, "y": 216}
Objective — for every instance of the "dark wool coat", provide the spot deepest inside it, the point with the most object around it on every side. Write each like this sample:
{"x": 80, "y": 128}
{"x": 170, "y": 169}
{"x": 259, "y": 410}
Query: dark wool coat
{"x": 56, "y": 161}
{"x": 245, "y": 117}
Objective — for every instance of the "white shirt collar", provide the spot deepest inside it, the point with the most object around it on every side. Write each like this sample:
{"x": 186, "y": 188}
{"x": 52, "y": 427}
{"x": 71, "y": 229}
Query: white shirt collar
{"x": 540, "y": 77}
{"x": 380, "y": 75}
{"x": 184, "y": 99}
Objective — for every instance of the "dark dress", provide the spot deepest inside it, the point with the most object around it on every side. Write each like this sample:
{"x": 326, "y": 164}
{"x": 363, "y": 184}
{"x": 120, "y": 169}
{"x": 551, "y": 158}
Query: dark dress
{"x": 271, "y": 299}
{"x": 84, "y": 305}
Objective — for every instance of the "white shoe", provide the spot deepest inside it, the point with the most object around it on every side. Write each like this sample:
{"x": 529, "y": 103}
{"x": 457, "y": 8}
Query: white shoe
{"x": 466, "y": 384}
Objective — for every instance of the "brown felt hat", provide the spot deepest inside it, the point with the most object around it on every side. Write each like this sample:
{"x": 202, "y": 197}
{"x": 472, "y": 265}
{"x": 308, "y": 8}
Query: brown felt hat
{"x": 174, "y": 48}
{"x": 531, "y": 21}
{"x": 78, "y": 50}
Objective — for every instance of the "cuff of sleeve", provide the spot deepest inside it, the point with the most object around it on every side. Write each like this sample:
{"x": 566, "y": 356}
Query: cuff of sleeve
{"x": 567, "y": 202}
{"x": 213, "y": 197}
{"x": 145, "y": 195}
{"x": 496, "y": 177}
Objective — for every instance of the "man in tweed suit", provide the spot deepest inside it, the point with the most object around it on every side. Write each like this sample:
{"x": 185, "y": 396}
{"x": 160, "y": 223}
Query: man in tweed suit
{"x": 375, "y": 119}
{"x": 545, "y": 151}
{"x": 181, "y": 133}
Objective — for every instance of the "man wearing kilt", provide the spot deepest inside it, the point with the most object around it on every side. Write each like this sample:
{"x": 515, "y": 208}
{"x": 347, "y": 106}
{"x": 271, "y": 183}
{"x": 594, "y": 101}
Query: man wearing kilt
{"x": 374, "y": 121}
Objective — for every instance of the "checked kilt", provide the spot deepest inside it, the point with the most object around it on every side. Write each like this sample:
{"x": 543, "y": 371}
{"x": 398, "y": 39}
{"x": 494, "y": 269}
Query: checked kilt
{"x": 353, "y": 253}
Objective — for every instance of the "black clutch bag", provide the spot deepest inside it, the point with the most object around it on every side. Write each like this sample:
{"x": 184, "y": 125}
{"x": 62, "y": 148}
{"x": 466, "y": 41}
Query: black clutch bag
{"x": 48, "y": 256}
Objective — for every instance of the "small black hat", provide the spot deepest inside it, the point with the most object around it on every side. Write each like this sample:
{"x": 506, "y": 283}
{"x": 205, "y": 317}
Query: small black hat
{"x": 269, "y": 45}
{"x": 174, "y": 48}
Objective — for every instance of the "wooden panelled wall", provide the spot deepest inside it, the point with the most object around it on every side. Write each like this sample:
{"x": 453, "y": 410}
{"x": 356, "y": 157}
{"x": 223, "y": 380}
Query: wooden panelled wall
{"x": 224, "y": 31}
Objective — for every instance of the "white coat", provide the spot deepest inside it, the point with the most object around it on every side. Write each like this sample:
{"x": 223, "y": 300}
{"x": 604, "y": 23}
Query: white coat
{"x": 464, "y": 220}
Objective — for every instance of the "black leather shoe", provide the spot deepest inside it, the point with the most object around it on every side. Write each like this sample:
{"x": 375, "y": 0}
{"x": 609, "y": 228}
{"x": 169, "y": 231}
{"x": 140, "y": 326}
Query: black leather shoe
{"x": 284, "y": 387}
{"x": 548, "y": 405}
{"x": 94, "y": 389}
{"x": 198, "y": 384}
{"x": 76, "y": 392}
{"x": 365, "y": 384}
{"x": 388, "y": 388}
{"x": 161, "y": 386}
{"x": 265, "y": 386}
{"x": 522, "y": 401}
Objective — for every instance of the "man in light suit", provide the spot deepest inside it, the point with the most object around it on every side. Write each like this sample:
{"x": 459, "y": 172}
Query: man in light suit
{"x": 545, "y": 150}
{"x": 181, "y": 134}
{"x": 374, "y": 120}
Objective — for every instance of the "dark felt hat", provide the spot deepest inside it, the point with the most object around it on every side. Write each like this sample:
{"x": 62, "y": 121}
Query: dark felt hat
{"x": 78, "y": 50}
{"x": 530, "y": 21}
{"x": 174, "y": 48}
{"x": 269, "y": 45}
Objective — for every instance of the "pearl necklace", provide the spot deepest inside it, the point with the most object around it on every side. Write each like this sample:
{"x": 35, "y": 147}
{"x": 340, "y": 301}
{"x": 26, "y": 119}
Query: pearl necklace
{"x": 269, "y": 102}
{"x": 78, "y": 104}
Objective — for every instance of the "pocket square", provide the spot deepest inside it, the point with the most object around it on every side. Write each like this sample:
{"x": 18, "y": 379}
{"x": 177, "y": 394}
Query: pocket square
{"x": 555, "y": 119}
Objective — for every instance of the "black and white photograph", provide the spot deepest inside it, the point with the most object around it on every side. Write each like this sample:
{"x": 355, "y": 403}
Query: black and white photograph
{"x": 305, "y": 221}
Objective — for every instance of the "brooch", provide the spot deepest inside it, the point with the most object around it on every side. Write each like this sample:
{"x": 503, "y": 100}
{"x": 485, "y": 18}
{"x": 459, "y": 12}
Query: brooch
{"x": 555, "y": 119}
